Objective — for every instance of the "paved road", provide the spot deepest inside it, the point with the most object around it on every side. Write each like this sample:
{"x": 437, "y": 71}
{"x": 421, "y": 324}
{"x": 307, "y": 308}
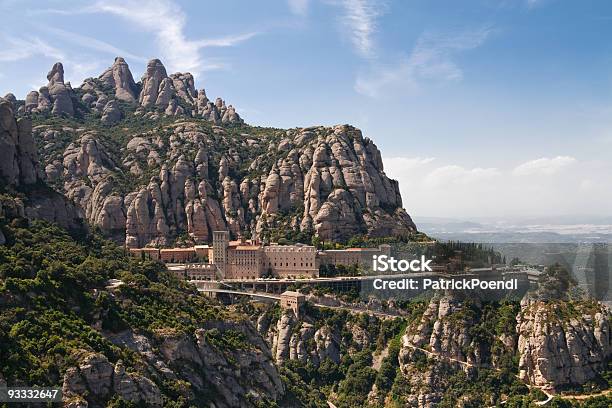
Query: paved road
{"x": 239, "y": 292}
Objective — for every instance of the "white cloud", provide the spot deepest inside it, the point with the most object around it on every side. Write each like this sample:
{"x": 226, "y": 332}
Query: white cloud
{"x": 78, "y": 67}
{"x": 167, "y": 21}
{"x": 545, "y": 166}
{"x": 407, "y": 162}
{"x": 359, "y": 22}
{"x": 447, "y": 189}
{"x": 16, "y": 49}
{"x": 92, "y": 43}
{"x": 298, "y": 7}
{"x": 227, "y": 41}
{"x": 454, "y": 174}
{"x": 431, "y": 59}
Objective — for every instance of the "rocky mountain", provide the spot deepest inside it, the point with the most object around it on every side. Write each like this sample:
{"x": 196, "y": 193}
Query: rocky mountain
{"x": 151, "y": 161}
{"x": 77, "y": 311}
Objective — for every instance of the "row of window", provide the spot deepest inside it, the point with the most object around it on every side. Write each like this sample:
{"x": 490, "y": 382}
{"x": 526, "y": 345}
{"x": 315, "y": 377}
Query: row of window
{"x": 308, "y": 264}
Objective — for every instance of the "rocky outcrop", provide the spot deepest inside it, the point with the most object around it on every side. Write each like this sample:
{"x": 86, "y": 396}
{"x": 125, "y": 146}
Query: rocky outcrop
{"x": 184, "y": 87}
{"x": 237, "y": 377}
{"x": 18, "y": 156}
{"x": 556, "y": 352}
{"x": 232, "y": 378}
{"x": 119, "y": 77}
{"x": 19, "y": 170}
{"x": 151, "y": 84}
{"x": 444, "y": 338}
{"x": 86, "y": 168}
{"x": 59, "y": 93}
{"x": 314, "y": 180}
{"x": 96, "y": 379}
{"x": 12, "y": 100}
{"x": 444, "y": 330}
{"x": 338, "y": 176}
{"x": 171, "y": 94}
{"x": 190, "y": 177}
{"x": 308, "y": 341}
{"x": 111, "y": 114}
{"x": 56, "y": 97}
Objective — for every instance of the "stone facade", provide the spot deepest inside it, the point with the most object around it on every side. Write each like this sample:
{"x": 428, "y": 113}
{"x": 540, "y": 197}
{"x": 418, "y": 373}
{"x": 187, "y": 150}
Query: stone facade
{"x": 248, "y": 260}
{"x": 145, "y": 253}
{"x": 291, "y": 261}
{"x": 177, "y": 255}
{"x": 292, "y": 300}
{"x": 353, "y": 256}
{"x": 244, "y": 262}
{"x": 220, "y": 244}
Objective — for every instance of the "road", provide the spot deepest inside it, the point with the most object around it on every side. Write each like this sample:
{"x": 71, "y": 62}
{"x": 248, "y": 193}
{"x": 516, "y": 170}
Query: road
{"x": 277, "y": 297}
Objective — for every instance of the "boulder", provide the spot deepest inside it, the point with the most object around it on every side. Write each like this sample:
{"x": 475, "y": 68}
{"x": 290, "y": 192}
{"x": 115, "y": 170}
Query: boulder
{"x": 111, "y": 113}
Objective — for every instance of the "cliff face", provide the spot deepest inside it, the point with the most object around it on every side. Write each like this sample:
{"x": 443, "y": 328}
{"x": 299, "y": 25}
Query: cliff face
{"x": 310, "y": 340}
{"x": 291, "y": 339}
{"x": 231, "y": 378}
{"x": 20, "y": 173}
{"x": 448, "y": 338}
{"x": 177, "y": 164}
{"x": 557, "y": 343}
{"x": 18, "y": 156}
{"x": 560, "y": 345}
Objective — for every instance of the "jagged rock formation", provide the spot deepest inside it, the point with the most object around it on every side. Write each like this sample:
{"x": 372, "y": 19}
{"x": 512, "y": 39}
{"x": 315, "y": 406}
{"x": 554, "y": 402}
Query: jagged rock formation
{"x": 119, "y": 77}
{"x": 18, "y": 156}
{"x": 11, "y": 99}
{"x": 557, "y": 352}
{"x": 176, "y": 95}
{"x": 443, "y": 329}
{"x": 111, "y": 114}
{"x": 173, "y": 95}
{"x": 59, "y": 92}
{"x": 233, "y": 375}
{"x": 19, "y": 169}
{"x": 97, "y": 378}
{"x": 330, "y": 181}
{"x": 554, "y": 352}
{"x": 306, "y": 341}
{"x": 56, "y": 97}
{"x": 191, "y": 177}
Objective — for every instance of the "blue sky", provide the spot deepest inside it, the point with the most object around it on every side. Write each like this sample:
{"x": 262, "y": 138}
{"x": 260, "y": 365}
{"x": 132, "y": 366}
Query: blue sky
{"x": 480, "y": 108}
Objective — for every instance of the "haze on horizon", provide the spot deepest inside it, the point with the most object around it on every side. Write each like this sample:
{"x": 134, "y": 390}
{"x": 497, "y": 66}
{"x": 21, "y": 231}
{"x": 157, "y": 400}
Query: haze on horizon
{"x": 480, "y": 108}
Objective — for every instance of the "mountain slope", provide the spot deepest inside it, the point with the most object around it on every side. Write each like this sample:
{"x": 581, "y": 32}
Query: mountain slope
{"x": 153, "y": 161}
